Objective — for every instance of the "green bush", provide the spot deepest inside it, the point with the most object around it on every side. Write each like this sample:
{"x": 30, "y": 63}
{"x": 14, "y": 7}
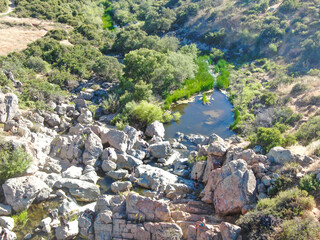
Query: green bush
{"x": 309, "y": 130}
{"x": 38, "y": 65}
{"x": 300, "y": 229}
{"x": 268, "y": 138}
{"x": 261, "y": 222}
{"x": 3, "y": 5}
{"x": 13, "y": 162}
{"x": 57, "y": 34}
{"x": 108, "y": 68}
{"x": 309, "y": 182}
{"x": 144, "y": 113}
{"x": 4, "y": 81}
{"x": 288, "y": 6}
{"x": 269, "y": 98}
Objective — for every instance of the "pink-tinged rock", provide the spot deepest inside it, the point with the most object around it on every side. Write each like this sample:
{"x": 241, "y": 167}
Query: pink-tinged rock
{"x": 146, "y": 208}
{"x": 229, "y": 231}
{"x": 230, "y": 188}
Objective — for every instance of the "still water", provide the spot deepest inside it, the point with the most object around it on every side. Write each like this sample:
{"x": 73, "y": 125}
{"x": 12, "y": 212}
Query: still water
{"x": 204, "y": 119}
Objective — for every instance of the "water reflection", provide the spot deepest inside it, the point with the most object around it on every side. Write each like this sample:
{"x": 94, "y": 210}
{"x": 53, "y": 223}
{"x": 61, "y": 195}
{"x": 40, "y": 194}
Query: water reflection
{"x": 203, "y": 119}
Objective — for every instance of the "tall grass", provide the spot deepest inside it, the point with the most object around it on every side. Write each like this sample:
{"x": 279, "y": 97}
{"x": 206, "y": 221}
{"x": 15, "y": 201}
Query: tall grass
{"x": 203, "y": 81}
{"x": 224, "y": 72}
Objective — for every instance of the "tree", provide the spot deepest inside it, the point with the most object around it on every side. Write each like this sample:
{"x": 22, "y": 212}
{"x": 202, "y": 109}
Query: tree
{"x": 140, "y": 64}
{"x": 159, "y": 22}
{"x": 108, "y": 68}
{"x": 128, "y": 39}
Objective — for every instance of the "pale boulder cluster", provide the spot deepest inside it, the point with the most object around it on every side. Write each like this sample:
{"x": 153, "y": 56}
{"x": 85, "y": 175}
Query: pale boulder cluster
{"x": 71, "y": 153}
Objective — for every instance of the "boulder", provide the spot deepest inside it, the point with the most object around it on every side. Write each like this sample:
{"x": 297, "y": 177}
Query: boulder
{"x": 117, "y": 139}
{"x": 7, "y": 222}
{"x": 126, "y": 161}
{"x": 103, "y": 225}
{"x": 85, "y": 116}
{"x": 72, "y": 172}
{"x": 52, "y": 119}
{"x": 146, "y": 209}
{"x": 118, "y": 187}
{"x": 133, "y": 135}
{"x": 118, "y": 174}
{"x": 280, "y": 155}
{"x": 81, "y": 190}
{"x": 231, "y": 188}
{"x": 93, "y": 149}
{"x": 108, "y": 165}
{"x": 160, "y": 150}
{"x": 22, "y": 191}
{"x": 163, "y": 230}
{"x": 8, "y": 107}
{"x": 5, "y": 210}
{"x": 229, "y": 231}
{"x": 67, "y": 232}
{"x": 199, "y": 168}
{"x": 155, "y": 129}
{"x": 217, "y": 149}
{"x": 90, "y": 175}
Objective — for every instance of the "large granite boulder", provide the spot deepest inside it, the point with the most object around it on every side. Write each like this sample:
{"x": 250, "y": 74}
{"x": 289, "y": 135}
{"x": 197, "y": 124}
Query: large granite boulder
{"x": 160, "y": 150}
{"x": 144, "y": 209}
{"x": 231, "y": 188}
{"x": 117, "y": 139}
{"x": 229, "y": 231}
{"x": 67, "y": 232}
{"x": 118, "y": 186}
{"x": 127, "y": 161}
{"x": 81, "y": 190}
{"x": 85, "y": 116}
{"x": 155, "y": 129}
{"x": 8, "y": 106}
{"x": 93, "y": 149}
{"x": 22, "y": 191}
{"x": 280, "y": 155}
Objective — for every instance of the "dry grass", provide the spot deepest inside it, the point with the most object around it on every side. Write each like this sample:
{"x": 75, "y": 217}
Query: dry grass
{"x": 17, "y": 33}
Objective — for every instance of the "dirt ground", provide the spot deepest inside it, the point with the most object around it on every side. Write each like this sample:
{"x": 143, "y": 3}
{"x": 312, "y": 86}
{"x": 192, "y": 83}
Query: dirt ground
{"x": 17, "y": 33}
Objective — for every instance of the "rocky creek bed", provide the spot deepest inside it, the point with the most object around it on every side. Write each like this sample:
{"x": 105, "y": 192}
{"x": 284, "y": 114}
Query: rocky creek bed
{"x": 148, "y": 190}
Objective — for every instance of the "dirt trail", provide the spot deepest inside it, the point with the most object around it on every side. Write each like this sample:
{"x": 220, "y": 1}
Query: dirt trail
{"x": 10, "y": 9}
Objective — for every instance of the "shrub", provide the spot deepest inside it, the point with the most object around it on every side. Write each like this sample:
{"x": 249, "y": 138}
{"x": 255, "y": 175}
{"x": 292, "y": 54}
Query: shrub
{"x": 205, "y": 99}
{"x": 3, "y": 5}
{"x": 289, "y": 140}
{"x": 309, "y": 182}
{"x": 3, "y": 79}
{"x": 309, "y": 130}
{"x": 57, "y": 34}
{"x": 111, "y": 104}
{"x": 300, "y": 229}
{"x": 38, "y": 65}
{"x": 288, "y": 6}
{"x": 269, "y": 98}
{"x": 144, "y": 112}
{"x": 260, "y": 222}
{"x": 298, "y": 89}
{"x": 108, "y": 68}
{"x": 268, "y": 138}
{"x": 13, "y": 162}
